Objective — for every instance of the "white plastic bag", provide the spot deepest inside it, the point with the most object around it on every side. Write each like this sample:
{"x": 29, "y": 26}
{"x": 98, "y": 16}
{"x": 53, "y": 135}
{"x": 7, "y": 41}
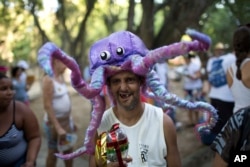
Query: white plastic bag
{"x": 71, "y": 139}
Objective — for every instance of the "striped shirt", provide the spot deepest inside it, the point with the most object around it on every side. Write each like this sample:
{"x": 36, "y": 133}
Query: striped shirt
{"x": 230, "y": 135}
{"x": 13, "y": 145}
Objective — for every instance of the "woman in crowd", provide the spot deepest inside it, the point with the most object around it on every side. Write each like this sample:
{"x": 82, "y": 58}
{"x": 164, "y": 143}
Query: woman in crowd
{"x": 192, "y": 86}
{"x": 238, "y": 76}
{"x": 235, "y": 135}
{"x": 58, "y": 120}
{"x": 19, "y": 85}
{"x": 20, "y": 138}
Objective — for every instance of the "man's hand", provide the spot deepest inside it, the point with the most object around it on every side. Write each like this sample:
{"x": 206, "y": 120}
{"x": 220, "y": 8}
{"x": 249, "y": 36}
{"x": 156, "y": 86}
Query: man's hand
{"x": 116, "y": 164}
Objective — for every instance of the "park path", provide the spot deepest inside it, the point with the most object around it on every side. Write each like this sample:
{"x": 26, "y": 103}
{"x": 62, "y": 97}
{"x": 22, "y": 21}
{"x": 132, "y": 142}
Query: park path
{"x": 190, "y": 147}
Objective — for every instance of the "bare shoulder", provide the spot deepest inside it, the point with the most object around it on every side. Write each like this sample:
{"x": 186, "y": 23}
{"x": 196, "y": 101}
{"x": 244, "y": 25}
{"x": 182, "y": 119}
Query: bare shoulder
{"x": 47, "y": 79}
{"x": 23, "y": 113}
{"x": 21, "y": 108}
{"x": 246, "y": 66}
{"x": 245, "y": 74}
{"x": 167, "y": 121}
{"x": 47, "y": 83}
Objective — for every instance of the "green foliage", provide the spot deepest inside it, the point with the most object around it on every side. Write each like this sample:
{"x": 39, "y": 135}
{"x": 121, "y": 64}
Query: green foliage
{"x": 240, "y": 9}
{"x": 75, "y": 27}
{"x": 159, "y": 19}
{"x": 220, "y": 24}
{"x": 21, "y": 49}
{"x": 15, "y": 30}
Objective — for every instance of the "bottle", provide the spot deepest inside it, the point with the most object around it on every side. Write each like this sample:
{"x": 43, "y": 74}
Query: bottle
{"x": 117, "y": 143}
{"x": 71, "y": 139}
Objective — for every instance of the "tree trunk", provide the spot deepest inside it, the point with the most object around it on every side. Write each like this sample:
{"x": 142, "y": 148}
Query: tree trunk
{"x": 183, "y": 14}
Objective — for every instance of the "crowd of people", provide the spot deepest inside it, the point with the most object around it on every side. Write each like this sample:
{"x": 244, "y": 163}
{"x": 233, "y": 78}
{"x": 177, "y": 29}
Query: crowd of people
{"x": 229, "y": 92}
{"x": 234, "y": 136}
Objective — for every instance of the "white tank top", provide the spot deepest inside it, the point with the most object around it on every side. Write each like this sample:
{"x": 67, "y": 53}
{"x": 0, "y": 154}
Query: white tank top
{"x": 146, "y": 138}
{"x": 191, "y": 84}
{"x": 240, "y": 92}
{"x": 61, "y": 100}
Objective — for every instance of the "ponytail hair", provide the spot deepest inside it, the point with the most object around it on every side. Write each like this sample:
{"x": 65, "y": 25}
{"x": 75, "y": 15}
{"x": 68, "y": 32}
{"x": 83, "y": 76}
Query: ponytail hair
{"x": 241, "y": 44}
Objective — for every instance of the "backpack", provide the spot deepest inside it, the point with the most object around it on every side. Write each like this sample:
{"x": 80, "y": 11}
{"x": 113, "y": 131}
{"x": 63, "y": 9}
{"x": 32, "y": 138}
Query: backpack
{"x": 217, "y": 75}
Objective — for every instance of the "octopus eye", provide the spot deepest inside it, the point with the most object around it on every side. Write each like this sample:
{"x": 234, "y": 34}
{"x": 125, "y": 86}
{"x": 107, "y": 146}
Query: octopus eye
{"x": 105, "y": 55}
{"x": 120, "y": 51}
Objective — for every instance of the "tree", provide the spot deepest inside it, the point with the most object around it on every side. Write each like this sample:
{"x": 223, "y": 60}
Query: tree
{"x": 15, "y": 31}
{"x": 75, "y": 25}
{"x": 177, "y": 17}
{"x": 240, "y": 10}
{"x": 69, "y": 26}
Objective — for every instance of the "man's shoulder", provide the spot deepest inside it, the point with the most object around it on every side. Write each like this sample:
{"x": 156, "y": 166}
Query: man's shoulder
{"x": 108, "y": 111}
{"x": 152, "y": 107}
{"x": 107, "y": 121}
{"x": 153, "y": 111}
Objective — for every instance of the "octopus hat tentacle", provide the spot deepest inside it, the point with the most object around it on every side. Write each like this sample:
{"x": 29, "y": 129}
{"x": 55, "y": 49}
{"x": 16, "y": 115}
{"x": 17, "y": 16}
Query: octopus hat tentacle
{"x": 89, "y": 145}
{"x": 160, "y": 103}
{"x": 97, "y": 81}
{"x": 201, "y": 42}
{"x": 125, "y": 51}
{"x": 44, "y": 57}
{"x": 195, "y": 35}
{"x": 160, "y": 91}
{"x": 49, "y": 50}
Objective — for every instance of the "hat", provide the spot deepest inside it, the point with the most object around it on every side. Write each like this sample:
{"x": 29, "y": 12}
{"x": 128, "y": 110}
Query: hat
{"x": 190, "y": 55}
{"x": 3, "y": 69}
{"x": 23, "y": 64}
{"x": 186, "y": 38}
{"x": 219, "y": 46}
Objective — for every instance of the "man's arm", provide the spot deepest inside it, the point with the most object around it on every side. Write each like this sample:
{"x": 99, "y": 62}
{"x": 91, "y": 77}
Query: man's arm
{"x": 92, "y": 161}
{"x": 229, "y": 77}
{"x": 173, "y": 155}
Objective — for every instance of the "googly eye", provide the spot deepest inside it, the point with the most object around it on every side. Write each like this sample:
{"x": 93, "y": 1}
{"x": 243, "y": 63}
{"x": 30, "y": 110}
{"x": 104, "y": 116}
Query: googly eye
{"x": 105, "y": 55}
{"x": 120, "y": 51}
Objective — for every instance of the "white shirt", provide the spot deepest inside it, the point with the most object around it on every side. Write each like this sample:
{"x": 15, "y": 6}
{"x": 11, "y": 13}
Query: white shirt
{"x": 61, "y": 101}
{"x": 240, "y": 92}
{"x": 222, "y": 93}
{"x": 191, "y": 84}
{"x": 146, "y": 138}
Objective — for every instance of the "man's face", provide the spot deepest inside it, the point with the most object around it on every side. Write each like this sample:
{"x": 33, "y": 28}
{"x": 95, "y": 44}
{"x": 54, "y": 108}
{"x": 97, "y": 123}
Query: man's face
{"x": 125, "y": 89}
